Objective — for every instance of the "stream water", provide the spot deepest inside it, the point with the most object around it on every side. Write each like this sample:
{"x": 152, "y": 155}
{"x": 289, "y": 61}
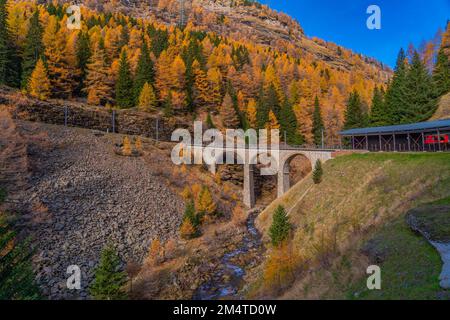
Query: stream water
{"x": 228, "y": 279}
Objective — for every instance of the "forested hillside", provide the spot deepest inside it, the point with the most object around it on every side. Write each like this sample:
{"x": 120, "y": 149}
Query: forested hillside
{"x": 230, "y": 63}
{"x": 188, "y": 69}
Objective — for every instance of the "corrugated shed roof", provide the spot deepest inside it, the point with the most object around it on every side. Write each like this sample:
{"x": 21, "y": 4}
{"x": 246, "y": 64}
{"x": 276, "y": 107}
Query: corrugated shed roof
{"x": 402, "y": 128}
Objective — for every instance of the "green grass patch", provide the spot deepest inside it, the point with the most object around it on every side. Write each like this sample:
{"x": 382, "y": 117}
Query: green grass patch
{"x": 410, "y": 268}
{"x": 434, "y": 220}
{"x": 445, "y": 201}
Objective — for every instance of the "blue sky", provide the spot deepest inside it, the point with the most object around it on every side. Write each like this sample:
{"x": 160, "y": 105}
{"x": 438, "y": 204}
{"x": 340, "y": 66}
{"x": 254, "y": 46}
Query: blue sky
{"x": 344, "y": 22}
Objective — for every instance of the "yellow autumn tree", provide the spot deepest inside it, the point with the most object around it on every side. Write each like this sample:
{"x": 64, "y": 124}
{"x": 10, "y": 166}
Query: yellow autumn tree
{"x": 147, "y": 98}
{"x": 126, "y": 146}
{"x": 154, "y": 252}
{"x": 97, "y": 83}
{"x": 251, "y": 113}
{"x": 280, "y": 267}
{"x": 230, "y": 119}
{"x": 54, "y": 40}
{"x": 206, "y": 203}
{"x": 215, "y": 83}
{"x": 187, "y": 230}
{"x": 272, "y": 124}
{"x": 201, "y": 85}
{"x": 186, "y": 194}
{"x": 177, "y": 79}
{"x": 138, "y": 144}
{"x": 39, "y": 84}
{"x": 163, "y": 76}
{"x": 271, "y": 78}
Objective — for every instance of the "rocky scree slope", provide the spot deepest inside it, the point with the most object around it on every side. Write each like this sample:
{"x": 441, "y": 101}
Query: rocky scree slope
{"x": 81, "y": 197}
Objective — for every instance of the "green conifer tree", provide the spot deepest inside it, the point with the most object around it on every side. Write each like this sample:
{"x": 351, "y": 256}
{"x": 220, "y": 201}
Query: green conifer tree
{"x": 354, "y": 117}
{"x": 9, "y": 60}
{"x": 289, "y": 124}
{"x": 144, "y": 71}
{"x": 33, "y": 49}
{"x": 441, "y": 74}
{"x": 272, "y": 100}
{"x": 395, "y": 93}
{"x": 193, "y": 217}
{"x": 318, "y": 172}
{"x": 379, "y": 116}
{"x": 109, "y": 279}
{"x": 17, "y": 281}
{"x": 419, "y": 102}
{"x": 124, "y": 84}
{"x": 167, "y": 105}
{"x": 280, "y": 228}
{"x": 83, "y": 56}
{"x": 262, "y": 110}
{"x": 318, "y": 126}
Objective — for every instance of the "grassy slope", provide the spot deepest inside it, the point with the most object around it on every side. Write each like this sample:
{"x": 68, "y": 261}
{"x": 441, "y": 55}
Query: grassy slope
{"x": 411, "y": 266}
{"x": 359, "y": 194}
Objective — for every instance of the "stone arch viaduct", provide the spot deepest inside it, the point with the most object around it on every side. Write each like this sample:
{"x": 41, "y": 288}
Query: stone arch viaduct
{"x": 246, "y": 157}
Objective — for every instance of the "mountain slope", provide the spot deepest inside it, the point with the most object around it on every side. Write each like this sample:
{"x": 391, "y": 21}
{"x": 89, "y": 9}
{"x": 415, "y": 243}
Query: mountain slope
{"x": 244, "y": 20}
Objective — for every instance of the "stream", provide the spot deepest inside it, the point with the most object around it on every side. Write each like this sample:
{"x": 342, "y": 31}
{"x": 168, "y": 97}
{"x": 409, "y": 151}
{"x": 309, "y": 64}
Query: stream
{"x": 228, "y": 279}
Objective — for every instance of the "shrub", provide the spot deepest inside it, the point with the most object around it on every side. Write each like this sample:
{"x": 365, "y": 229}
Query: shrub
{"x": 154, "y": 252}
{"x": 206, "y": 203}
{"x": 318, "y": 172}
{"x": 280, "y": 228}
{"x": 196, "y": 190}
{"x": 186, "y": 194}
{"x": 126, "y": 147}
{"x": 279, "y": 267}
{"x": 138, "y": 144}
{"x": 187, "y": 230}
{"x": 239, "y": 217}
{"x": 191, "y": 215}
{"x": 109, "y": 280}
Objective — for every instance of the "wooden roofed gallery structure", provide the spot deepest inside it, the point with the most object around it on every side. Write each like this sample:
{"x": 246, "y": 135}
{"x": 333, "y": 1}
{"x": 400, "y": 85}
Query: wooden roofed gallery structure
{"x": 432, "y": 136}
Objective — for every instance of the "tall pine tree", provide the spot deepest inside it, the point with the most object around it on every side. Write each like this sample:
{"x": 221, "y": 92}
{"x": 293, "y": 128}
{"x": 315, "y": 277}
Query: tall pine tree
{"x": 395, "y": 94}
{"x": 354, "y": 117}
{"x": 144, "y": 72}
{"x": 379, "y": 116}
{"x": 33, "y": 49}
{"x": 83, "y": 55}
{"x": 97, "y": 84}
{"x": 124, "y": 84}
{"x": 441, "y": 74}
{"x": 262, "y": 110}
{"x": 318, "y": 126}
{"x": 280, "y": 228}
{"x": 109, "y": 279}
{"x": 289, "y": 125}
{"x": 419, "y": 101}
{"x": 9, "y": 62}
{"x": 17, "y": 280}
